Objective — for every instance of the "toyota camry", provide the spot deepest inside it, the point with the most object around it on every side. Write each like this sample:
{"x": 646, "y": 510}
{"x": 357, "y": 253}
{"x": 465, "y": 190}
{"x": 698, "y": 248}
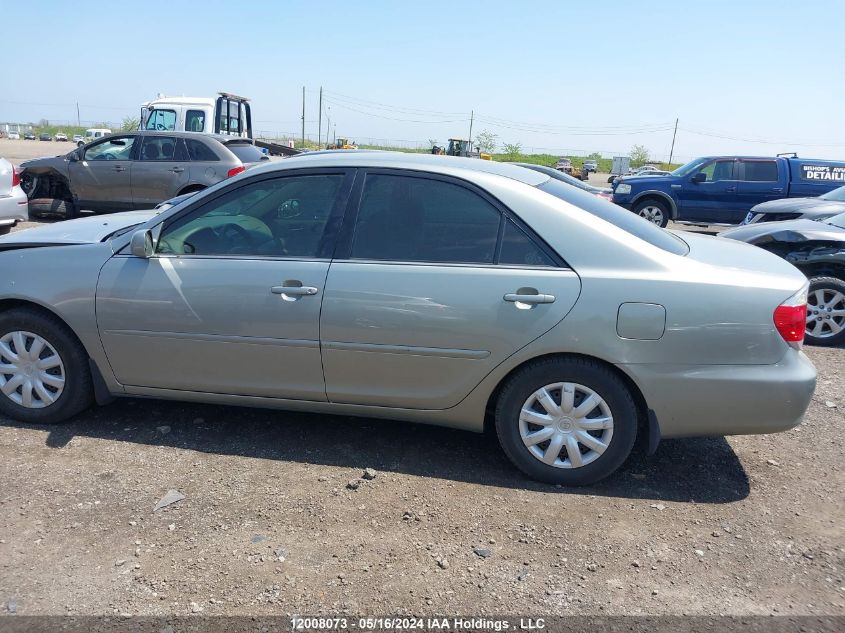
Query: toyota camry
{"x": 429, "y": 289}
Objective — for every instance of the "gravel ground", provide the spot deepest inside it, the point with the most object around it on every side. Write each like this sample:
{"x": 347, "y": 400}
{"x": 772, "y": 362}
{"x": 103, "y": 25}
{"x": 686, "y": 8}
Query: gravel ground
{"x": 279, "y": 517}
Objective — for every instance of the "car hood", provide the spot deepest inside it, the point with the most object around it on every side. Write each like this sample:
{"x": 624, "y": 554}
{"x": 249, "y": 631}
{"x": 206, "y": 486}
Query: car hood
{"x": 48, "y": 161}
{"x": 786, "y": 231}
{"x": 794, "y": 205}
{"x": 643, "y": 180}
{"x": 81, "y": 231}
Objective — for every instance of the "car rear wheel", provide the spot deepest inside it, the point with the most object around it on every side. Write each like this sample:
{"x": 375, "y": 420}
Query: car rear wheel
{"x": 653, "y": 211}
{"x": 566, "y": 421}
{"x": 44, "y": 375}
{"x": 826, "y": 311}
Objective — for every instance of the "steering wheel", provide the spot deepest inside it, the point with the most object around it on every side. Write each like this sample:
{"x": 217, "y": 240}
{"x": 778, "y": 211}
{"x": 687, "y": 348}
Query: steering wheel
{"x": 241, "y": 232}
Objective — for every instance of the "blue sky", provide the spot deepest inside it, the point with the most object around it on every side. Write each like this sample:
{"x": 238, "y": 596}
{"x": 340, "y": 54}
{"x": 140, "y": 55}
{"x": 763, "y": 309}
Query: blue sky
{"x": 556, "y": 76}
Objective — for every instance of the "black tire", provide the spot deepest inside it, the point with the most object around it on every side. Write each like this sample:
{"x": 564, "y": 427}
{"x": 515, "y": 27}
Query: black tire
{"x": 828, "y": 286}
{"x": 585, "y": 372}
{"x": 78, "y": 391}
{"x": 52, "y": 207}
{"x": 654, "y": 211}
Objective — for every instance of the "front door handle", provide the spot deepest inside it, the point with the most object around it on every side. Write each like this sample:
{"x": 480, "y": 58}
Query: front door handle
{"x": 730, "y": 189}
{"x": 777, "y": 190}
{"x": 119, "y": 168}
{"x": 294, "y": 291}
{"x": 177, "y": 170}
{"x": 530, "y": 299}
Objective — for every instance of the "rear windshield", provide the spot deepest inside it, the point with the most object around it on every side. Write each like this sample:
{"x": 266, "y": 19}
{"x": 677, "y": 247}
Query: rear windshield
{"x": 246, "y": 152}
{"x": 615, "y": 214}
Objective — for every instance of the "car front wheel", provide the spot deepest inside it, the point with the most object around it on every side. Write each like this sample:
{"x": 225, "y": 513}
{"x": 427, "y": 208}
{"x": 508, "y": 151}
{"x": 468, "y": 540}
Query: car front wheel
{"x": 653, "y": 211}
{"x": 44, "y": 375}
{"x": 826, "y": 311}
{"x": 566, "y": 421}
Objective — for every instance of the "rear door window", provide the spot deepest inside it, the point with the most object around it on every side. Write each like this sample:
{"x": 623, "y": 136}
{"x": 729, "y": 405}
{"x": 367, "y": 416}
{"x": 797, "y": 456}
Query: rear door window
{"x": 414, "y": 219}
{"x": 760, "y": 171}
{"x": 159, "y": 148}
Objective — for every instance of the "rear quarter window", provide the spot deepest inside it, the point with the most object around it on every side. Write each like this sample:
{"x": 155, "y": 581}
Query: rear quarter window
{"x": 246, "y": 152}
{"x": 624, "y": 219}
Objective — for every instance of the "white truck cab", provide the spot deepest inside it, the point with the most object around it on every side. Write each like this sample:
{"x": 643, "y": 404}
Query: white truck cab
{"x": 225, "y": 114}
{"x": 92, "y": 135}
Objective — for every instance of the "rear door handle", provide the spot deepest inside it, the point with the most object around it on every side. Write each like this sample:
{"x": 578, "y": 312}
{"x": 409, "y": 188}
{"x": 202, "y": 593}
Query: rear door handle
{"x": 177, "y": 170}
{"x": 731, "y": 189}
{"x": 294, "y": 291}
{"x": 531, "y": 299}
{"x": 119, "y": 168}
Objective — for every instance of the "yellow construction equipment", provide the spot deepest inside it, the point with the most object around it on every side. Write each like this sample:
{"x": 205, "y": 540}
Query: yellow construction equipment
{"x": 342, "y": 143}
{"x": 461, "y": 147}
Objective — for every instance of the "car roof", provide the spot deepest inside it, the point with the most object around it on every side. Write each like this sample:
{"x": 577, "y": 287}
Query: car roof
{"x": 406, "y": 160}
{"x": 222, "y": 138}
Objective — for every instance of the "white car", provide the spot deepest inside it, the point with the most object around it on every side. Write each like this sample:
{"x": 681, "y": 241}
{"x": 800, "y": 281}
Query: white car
{"x": 79, "y": 139}
{"x": 14, "y": 136}
{"x": 60, "y": 136}
{"x": 13, "y": 203}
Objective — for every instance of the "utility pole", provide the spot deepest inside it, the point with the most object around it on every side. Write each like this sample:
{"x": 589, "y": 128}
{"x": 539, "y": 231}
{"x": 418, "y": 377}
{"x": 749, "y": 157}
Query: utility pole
{"x": 469, "y": 140}
{"x": 320, "y": 119}
{"x": 674, "y": 134}
{"x": 78, "y": 122}
{"x": 303, "y": 116}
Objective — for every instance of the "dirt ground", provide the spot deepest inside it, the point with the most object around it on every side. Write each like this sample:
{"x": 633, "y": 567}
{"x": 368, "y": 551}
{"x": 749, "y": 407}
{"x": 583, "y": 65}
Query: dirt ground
{"x": 277, "y": 518}
{"x": 17, "y": 151}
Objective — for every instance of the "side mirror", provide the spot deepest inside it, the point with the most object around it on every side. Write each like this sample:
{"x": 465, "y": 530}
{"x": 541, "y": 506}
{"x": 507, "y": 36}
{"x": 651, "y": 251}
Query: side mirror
{"x": 75, "y": 155}
{"x": 699, "y": 177}
{"x": 142, "y": 244}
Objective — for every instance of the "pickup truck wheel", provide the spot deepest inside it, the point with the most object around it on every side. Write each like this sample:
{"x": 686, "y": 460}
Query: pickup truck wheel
{"x": 653, "y": 211}
{"x": 825, "y": 311}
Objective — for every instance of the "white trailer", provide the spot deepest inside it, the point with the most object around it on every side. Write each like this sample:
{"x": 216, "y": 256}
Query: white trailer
{"x": 621, "y": 165}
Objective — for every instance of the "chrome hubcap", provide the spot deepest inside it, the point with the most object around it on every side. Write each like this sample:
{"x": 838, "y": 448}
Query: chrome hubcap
{"x": 566, "y": 425}
{"x": 825, "y": 313}
{"x": 32, "y": 374}
{"x": 652, "y": 214}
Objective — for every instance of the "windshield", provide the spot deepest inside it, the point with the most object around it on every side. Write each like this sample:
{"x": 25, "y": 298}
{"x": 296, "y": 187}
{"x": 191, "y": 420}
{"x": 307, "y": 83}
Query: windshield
{"x": 624, "y": 219}
{"x": 686, "y": 170}
{"x": 837, "y": 220}
{"x": 837, "y": 195}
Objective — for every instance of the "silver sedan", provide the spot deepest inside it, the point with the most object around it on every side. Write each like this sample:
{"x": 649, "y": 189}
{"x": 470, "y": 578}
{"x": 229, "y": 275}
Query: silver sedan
{"x": 13, "y": 208}
{"x": 442, "y": 290}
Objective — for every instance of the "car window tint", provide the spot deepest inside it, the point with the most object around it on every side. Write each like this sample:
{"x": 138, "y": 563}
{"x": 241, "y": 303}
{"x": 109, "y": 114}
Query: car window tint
{"x": 118, "y": 148}
{"x": 416, "y": 219}
{"x": 279, "y": 217}
{"x": 246, "y": 152}
{"x": 197, "y": 150}
{"x": 760, "y": 171}
{"x": 162, "y": 120}
{"x": 718, "y": 170}
{"x": 195, "y": 121}
{"x": 159, "y": 148}
{"x": 518, "y": 248}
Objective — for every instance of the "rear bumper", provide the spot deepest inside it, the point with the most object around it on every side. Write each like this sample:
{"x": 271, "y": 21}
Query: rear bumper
{"x": 699, "y": 400}
{"x": 13, "y": 208}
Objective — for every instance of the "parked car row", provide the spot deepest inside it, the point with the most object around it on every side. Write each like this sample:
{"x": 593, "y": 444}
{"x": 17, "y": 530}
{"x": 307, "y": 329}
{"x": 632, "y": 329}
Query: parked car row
{"x": 425, "y": 288}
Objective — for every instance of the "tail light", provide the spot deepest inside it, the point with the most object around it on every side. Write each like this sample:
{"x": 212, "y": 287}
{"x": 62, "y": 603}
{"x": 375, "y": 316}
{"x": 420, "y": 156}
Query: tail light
{"x": 16, "y": 177}
{"x": 790, "y": 318}
{"x": 235, "y": 171}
